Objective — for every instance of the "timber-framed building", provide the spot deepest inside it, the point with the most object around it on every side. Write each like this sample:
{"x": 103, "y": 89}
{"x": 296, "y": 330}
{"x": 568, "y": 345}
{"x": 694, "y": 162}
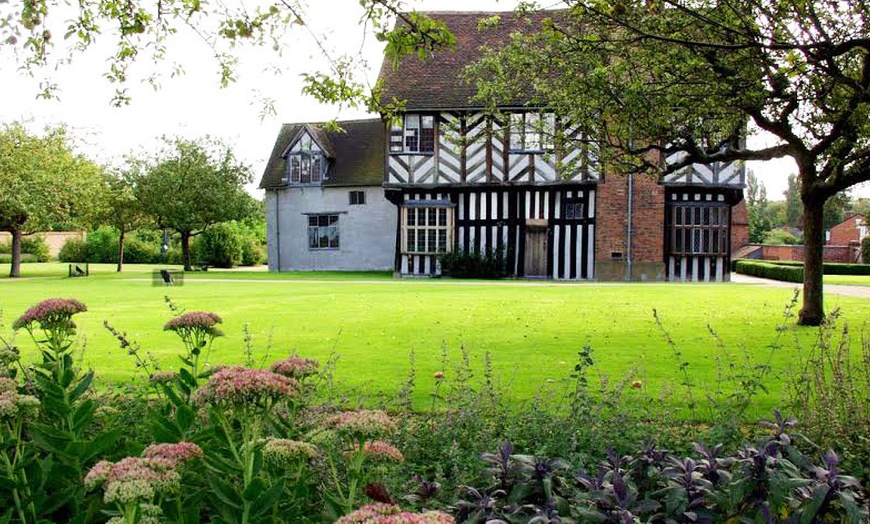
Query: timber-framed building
{"x": 457, "y": 177}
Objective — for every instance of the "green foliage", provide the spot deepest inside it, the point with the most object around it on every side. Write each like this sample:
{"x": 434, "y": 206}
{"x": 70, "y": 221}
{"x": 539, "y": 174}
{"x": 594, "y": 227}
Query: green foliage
{"x": 865, "y": 250}
{"x": 73, "y": 250}
{"x": 192, "y": 185}
{"x": 43, "y": 181}
{"x": 780, "y": 237}
{"x": 461, "y": 264}
{"x": 221, "y": 245}
{"x": 101, "y": 246}
{"x": 757, "y": 207}
{"x": 32, "y": 245}
{"x": 768, "y": 270}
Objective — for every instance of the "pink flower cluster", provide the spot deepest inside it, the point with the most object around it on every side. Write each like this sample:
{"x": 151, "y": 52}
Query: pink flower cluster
{"x": 380, "y": 451}
{"x": 52, "y": 312}
{"x": 295, "y": 367}
{"x": 238, "y": 385}
{"x": 284, "y": 452}
{"x": 195, "y": 321}
{"x": 362, "y": 423}
{"x": 13, "y": 405}
{"x": 178, "y": 453}
{"x": 390, "y": 514}
{"x": 133, "y": 479}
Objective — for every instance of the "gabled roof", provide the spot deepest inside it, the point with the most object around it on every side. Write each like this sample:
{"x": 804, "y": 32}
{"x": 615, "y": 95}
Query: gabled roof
{"x": 850, "y": 216}
{"x": 436, "y": 82}
{"x": 318, "y": 135}
{"x": 356, "y": 155}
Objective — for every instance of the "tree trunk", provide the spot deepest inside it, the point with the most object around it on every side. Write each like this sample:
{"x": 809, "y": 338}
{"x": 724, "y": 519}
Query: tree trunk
{"x": 185, "y": 250}
{"x": 121, "y": 251}
{"x": 812, "y": 312}
{"x": 15, "y": 271}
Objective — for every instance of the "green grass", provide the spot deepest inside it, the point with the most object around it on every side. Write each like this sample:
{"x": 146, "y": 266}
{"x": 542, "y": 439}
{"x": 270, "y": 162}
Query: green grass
{"x": 532, "y": 330}
{"x": 849, "y": 280}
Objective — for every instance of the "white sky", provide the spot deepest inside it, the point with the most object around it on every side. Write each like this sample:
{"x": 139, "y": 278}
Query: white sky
{"x": 193, "y": 105}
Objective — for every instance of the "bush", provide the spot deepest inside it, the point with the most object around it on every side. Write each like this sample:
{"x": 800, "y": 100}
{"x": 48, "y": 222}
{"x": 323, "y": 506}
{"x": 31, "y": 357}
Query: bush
{"x": 829, "y": 268}
{"x": 781, "y": 237}
{"x": 26, "y": 258}
{"x": 460, "y": 264}
{"x": 138, "y": 252}
{"x": 786, "y": 273}
{"x": 220, "y": 246}
{"x": 74, "y": 250}
{"x": 253, "y": 254}
{"x": 30, "y": 245}
{"x": 865, "y": 250}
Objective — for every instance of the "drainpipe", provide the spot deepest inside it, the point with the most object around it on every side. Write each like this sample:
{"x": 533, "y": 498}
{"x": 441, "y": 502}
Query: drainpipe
{"x": 629, "y": 230}
{"x": 278, "y": 228}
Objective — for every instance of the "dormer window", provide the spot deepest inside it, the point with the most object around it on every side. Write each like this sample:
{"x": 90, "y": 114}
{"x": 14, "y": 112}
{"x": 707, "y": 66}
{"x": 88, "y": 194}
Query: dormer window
{"x": 412, "y": 133}
{"x": 532, "y": 132}
{"x": 306, "y": 163}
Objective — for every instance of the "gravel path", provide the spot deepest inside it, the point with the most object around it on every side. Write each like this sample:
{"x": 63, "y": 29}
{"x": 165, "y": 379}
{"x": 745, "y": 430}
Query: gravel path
{"x": 838, "y": 289}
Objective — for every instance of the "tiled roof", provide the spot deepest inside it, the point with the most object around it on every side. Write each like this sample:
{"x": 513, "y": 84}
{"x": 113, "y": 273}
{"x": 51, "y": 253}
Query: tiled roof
{"x": 357, "y": 153}
{"x": 436, "y": 81}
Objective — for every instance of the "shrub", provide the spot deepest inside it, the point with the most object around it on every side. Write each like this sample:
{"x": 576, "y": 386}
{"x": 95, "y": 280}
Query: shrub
{"x": 32, "y": 245}
{"x": 36, "y": 246}
{"x": 253, "y": 254}
{"x": 138, "y": 252}
{"x": 781, "y": 237}
{"x": 74, "y": 250}
{"x": 865, "y": 250}
{"x": 460, "y": 264}
{"x": 771, "y": 271}
{"x": 221, "y": 246}
{"x": 26, "y": 258}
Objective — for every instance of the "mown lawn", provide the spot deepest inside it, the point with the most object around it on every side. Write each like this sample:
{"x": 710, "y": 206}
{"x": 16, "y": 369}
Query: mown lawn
{"x": 531, "y": 330}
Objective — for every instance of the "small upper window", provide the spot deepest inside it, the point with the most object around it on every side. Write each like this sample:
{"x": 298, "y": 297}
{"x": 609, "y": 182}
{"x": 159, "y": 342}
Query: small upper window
{"x": 412, "y": 133}
{"x": 357, "y": 198}
{"x": 532, "y": 131}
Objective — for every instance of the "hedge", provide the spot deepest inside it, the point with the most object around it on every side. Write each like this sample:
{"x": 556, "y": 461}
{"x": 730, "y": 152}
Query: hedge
{"x": 26, "y": 258}
{"x": 786, "y": 273}
{"x": 829, "y": 268}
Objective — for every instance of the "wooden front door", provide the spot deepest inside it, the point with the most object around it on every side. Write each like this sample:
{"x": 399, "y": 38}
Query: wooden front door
{"x": 536, "y": 251}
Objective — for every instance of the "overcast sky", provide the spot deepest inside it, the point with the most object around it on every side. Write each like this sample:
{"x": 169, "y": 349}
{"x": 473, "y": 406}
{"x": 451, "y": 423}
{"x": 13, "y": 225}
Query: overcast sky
{"x": 194, "y": 104}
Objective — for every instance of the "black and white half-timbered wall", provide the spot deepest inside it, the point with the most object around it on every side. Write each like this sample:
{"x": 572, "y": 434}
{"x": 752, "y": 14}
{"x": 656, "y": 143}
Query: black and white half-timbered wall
{"x": 456, "y": 178}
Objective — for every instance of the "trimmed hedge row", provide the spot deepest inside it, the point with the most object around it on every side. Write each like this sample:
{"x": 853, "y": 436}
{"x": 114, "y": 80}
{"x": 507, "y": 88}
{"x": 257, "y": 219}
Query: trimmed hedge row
{"x": 786, "y": 273}
{"x": 829, "y": 268}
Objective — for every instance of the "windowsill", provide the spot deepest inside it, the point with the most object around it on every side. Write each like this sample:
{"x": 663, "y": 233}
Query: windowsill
{"x": 411, "y": 153}
{"x": 529, "y": 151}
{"x": 324, "y": 249}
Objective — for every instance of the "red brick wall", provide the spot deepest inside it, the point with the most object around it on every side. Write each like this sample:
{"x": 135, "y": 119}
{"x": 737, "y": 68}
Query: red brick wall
{"x": 611, "y": 216}
{"x": 845, "y": 232}
{"x": 739, "y": 226}
{"x": 844, "y": 254}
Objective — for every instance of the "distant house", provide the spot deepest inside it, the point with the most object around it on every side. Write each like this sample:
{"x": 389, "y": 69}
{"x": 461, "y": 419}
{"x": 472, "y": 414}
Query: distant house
{"x": 325, "y": 205}
{"x": 449, "y": 175}
{"x": 850, "y": 231}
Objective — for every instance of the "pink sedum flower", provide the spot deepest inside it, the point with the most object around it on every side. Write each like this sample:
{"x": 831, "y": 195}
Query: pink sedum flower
{"x": 380, "y": 451}
{"x": 239, "y": 385}
{"x": 50, "y": 313}
{"x": 178, "y": 453}
{"x": 195, "y": 321}
{"x": 13, "y": 405}
{"x": 295, "y": 367}
{"x": 284, "y": 452}
{"x": 133, "y": 479}
{"x": 362, "y": 423}
{"x": 390, "y": 514}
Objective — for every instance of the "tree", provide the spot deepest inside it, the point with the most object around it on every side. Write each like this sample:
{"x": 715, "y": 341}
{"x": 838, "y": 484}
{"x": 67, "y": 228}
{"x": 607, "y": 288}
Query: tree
{"x": 191, "y": 185}
{"x": 42, "y": 182}
{"x": 682, "y": 79}
{"x": 757, "y": 209}
{"x": 793, "y": 207}
{"x": 122, "y": 209}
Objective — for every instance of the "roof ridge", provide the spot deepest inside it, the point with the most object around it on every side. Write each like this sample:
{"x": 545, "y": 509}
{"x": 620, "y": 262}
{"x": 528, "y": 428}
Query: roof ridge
{"x": 353, "y": 121}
